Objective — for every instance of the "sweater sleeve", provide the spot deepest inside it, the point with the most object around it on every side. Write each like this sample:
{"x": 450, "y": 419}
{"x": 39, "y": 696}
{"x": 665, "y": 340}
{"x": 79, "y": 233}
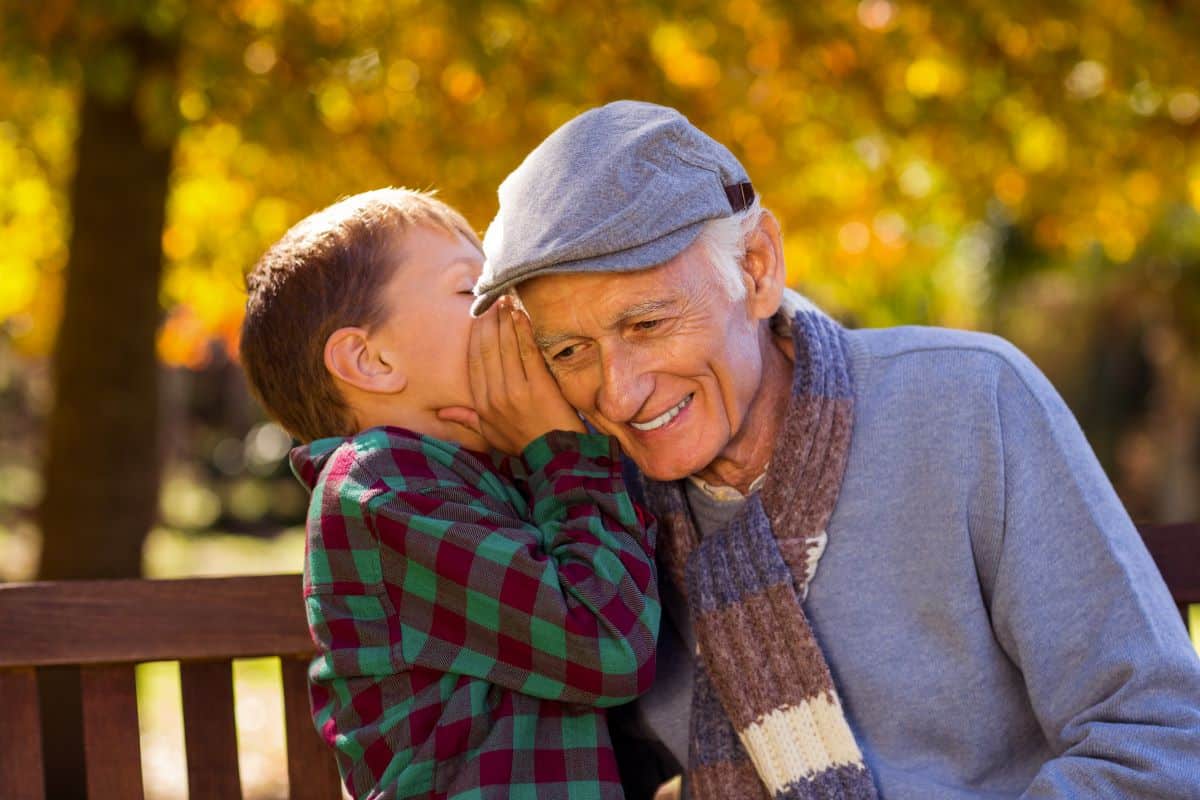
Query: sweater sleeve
{"x": 557, "y": 600}
{"x": 1082, "y": 610}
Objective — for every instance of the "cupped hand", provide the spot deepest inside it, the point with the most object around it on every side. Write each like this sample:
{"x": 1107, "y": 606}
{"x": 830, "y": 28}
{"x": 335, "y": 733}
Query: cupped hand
{"x": 516, "y": 397}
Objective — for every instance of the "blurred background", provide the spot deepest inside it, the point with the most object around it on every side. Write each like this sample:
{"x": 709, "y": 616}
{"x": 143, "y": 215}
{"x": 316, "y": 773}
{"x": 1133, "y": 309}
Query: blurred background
{"x": 1026, "y": 168}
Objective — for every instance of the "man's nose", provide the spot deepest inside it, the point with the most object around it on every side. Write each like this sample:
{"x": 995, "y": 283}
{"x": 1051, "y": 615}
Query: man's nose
{"x": 625, "y": 384}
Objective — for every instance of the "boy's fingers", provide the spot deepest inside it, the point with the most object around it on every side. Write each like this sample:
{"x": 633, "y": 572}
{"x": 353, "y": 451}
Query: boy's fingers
{"x": 476, "y": 369}
{"x": 537, "y": 371}
{"x": 531, "y": 354}
{"x": 462, "y": 415}
{"x": 510, "y": 350}
{"x": 671, "y": 790}
{"x": 489, "y": 353}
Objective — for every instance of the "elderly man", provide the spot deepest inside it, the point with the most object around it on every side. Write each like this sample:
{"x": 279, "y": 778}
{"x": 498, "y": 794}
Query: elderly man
{"x": 892, "y": 566}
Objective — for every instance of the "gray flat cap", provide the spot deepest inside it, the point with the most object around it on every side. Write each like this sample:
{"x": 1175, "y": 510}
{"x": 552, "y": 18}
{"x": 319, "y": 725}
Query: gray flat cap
{"x": 622, "y": 187}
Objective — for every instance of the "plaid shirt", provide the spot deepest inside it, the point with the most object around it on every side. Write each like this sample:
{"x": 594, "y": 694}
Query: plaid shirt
{"x": 473, "y": 618}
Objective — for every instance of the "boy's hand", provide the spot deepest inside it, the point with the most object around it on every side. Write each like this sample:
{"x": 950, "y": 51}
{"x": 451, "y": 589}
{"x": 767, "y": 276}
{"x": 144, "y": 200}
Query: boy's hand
{"x": 516, "y": 398}
{"x": 671, "y": 790}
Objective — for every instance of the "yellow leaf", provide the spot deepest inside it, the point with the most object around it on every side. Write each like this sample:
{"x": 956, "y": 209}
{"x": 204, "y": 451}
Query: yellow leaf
{"x": 680, "y": 61}
{"x": 18, "y": 282}
{"x": 462, "y": 82}
{"x": 1040, "y": 145}
{"x": 929, "y": 77}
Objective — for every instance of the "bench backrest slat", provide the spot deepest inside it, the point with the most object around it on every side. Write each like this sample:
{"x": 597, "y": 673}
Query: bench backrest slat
{"x": 1176, "y": 551}
{"x": 98, "y": 622}
{"x": 20, "y": 736}
{"x": 312, "y": 772}
{"x": 209, "y": 730}
{"x": 111, "y": 746}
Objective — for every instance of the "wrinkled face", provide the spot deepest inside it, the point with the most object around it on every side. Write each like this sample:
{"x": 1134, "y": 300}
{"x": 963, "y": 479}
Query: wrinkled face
{"x": 428, "y": 327}
{"x": 661, "y": 359}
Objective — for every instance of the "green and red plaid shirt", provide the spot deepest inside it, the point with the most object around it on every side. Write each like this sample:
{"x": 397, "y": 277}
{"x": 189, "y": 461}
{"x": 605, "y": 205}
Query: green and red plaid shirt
{"x": 474, "y": 617}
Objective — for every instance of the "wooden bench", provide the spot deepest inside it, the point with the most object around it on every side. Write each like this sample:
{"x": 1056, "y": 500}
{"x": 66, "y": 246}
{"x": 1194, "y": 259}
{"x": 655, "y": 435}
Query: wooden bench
{"x": 106, "y": 628}
{"x": 1176, "y": 551}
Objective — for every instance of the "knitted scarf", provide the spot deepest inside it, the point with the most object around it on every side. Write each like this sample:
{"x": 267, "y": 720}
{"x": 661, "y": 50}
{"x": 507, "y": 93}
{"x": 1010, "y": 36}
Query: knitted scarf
{"x": 766, "y": 719}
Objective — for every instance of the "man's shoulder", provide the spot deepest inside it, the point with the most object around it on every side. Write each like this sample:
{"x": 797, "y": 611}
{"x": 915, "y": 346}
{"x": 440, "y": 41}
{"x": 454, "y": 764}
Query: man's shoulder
{"x": 951, "y": 353}
{"x": 936, "y": 365}
{"x": 909, "y": 340}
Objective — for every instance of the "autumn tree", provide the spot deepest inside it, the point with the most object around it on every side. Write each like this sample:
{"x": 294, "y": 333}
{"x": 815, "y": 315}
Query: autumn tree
{"x": 931, "y": 162}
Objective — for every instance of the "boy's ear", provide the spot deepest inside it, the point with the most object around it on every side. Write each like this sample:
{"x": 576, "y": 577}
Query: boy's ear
{"x": 354, "y": 358}
{"x": 763, "y": 269}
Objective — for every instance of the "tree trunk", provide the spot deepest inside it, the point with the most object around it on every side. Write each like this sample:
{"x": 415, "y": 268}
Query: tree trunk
{"x": 101, "y": 471}
{"x": 102, "y": 464}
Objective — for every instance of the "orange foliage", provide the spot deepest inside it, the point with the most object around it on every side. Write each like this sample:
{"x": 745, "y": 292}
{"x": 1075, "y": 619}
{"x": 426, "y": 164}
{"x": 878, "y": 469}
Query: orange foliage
{"x": 895, "y": 141}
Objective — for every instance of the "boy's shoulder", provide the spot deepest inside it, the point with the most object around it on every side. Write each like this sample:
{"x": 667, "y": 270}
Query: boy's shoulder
{"x": 390, "y": 451}
{"x": 398, "y": 458}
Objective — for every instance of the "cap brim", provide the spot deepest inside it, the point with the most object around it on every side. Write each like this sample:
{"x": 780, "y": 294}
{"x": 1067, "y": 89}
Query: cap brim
{"x": 644, "y": 256}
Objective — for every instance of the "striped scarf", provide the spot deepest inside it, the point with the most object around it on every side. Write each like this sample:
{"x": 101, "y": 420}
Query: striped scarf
{"x": 766, "y": 719}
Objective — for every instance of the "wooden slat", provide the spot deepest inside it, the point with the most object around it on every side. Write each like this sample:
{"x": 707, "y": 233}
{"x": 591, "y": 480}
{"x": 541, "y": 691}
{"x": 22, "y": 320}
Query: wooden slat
{"x": 209, "y": 732}
{"x": 62, "y": 732}
{"x": 20, "y": 736}
{"x": 312, "y": 771}
{"x": 110, "y": 732}
{"x": 96, "y": 622}
{"x": 1176, "y": 551}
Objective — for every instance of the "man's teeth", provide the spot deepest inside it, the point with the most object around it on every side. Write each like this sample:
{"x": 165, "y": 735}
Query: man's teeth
{"x": 663, "y": 418}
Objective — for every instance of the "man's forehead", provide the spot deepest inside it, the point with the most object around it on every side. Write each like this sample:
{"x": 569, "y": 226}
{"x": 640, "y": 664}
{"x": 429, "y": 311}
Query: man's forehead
{"x": 580, "y": 313}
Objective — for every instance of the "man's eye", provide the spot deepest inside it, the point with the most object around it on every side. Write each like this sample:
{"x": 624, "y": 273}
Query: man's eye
{"x": 566, "y": 352}
{"x": 647, "y": 324}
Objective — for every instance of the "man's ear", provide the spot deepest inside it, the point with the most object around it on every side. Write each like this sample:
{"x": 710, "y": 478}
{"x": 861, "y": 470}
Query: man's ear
{"x": 763, "y": 269}
{"x": 353, "y": 357}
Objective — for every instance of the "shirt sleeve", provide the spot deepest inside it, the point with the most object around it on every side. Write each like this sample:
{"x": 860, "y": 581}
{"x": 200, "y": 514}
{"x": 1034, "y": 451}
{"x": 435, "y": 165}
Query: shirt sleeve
{"x": 557, "y": 600}
{"x": 1081, "y": 609}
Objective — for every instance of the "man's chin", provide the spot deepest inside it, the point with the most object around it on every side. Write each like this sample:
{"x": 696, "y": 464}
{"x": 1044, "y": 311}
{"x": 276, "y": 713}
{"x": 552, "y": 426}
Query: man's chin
{"x": 658, "y": 470}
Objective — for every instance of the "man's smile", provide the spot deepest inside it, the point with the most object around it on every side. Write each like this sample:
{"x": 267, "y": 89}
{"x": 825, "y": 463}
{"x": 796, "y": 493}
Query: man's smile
{"x": 665, "y": 417}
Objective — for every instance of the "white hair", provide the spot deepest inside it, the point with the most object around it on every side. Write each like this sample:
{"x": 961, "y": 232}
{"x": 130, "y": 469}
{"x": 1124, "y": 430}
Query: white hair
{"x": 724, "y": 242}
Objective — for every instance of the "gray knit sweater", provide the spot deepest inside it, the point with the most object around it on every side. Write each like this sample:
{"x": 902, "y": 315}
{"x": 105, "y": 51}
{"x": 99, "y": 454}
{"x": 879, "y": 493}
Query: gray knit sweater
{"x": 993, "y": 623}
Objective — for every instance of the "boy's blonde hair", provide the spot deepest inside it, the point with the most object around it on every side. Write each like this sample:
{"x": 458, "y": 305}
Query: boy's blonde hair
{"x": 327, "y": 272}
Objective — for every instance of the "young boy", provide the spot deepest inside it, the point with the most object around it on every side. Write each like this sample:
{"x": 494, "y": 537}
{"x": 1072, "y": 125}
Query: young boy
{"x": 474, "y": 613}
